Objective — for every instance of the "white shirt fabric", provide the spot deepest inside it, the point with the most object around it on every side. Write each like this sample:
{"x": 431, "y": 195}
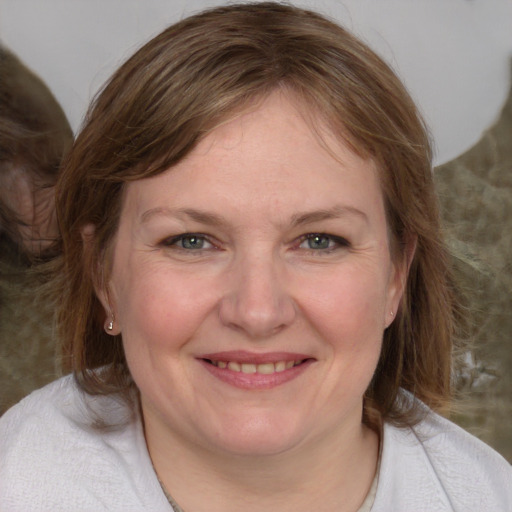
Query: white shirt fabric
{"x": 53, "y": 458}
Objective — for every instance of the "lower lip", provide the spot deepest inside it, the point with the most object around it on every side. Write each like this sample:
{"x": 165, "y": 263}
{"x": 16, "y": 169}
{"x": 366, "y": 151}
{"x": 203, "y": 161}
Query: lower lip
{"x": 256, "y": 381}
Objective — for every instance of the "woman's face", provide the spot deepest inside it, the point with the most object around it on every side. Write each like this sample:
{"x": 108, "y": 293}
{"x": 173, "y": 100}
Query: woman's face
{"x": 252, "y": 283}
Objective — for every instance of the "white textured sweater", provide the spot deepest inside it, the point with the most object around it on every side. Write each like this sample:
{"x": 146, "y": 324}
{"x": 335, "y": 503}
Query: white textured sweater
{"x": 53, "y": 459}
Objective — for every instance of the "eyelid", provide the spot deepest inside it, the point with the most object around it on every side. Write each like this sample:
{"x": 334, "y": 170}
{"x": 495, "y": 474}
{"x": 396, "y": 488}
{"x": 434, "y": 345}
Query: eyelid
{"x": 172, "y": 241}
{"x": 338, "y": 240}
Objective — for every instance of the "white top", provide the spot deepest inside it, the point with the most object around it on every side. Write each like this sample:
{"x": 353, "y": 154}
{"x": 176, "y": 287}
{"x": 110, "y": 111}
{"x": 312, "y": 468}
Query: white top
{"x": 53, "y": 459}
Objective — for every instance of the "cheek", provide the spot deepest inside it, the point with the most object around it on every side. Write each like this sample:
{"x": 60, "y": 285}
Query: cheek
{"x": 349, "y": 311}
{"x": 349, "y": 302}
{"x": 159, "y": 309}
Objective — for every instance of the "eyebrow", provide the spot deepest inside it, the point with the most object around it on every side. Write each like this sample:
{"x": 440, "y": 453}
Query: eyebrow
{"x": 196, "y": 215}
{"x": 336, "y": 212}
{"x": 212, "y": 219}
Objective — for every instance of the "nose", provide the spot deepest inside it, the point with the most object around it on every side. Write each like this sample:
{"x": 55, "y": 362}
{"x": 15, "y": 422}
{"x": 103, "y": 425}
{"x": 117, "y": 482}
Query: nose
{"x": 256, "y": 299}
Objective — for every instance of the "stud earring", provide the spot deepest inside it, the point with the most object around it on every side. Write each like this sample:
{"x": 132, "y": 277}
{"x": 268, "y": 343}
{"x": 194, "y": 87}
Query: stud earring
{"x": 109, "y": 327}
{"x": 392, "y": 314}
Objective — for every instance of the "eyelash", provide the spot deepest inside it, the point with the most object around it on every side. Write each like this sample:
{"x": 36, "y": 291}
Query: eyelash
{"x": 336, "y": 241}
{"x": 173, "y": 241}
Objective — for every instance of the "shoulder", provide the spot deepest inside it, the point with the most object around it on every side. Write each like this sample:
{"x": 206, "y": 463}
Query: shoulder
{"x": 53, "y": 456}
{"x": 49, "y": 406}
{"x": 56, "y": 411}
{"x": 449, "y": 447}
{"x": 436, "y": 465}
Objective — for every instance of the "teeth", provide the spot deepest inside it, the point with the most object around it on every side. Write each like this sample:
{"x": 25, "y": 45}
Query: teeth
{"x": 264, "y": 368}
{"x": 280, "y": 366}
{"x": 248, "y": 368}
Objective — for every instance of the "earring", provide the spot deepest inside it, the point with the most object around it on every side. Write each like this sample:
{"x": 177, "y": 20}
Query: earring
{"x": 392, "y": 314}
{"x": 109, "y": 327}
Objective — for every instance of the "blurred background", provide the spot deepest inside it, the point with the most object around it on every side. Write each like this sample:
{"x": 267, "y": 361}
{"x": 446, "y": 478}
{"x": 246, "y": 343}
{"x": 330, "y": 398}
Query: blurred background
{"x": 455, "y": 58}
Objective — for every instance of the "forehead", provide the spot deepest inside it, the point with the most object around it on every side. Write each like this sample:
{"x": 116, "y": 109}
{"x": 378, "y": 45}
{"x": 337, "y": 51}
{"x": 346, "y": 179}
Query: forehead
{"x": 273, "y": 155}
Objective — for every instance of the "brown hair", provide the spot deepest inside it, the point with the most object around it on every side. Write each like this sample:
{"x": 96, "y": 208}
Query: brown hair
{"x": 34, "y": 135}
{"x": 193, "y": 76}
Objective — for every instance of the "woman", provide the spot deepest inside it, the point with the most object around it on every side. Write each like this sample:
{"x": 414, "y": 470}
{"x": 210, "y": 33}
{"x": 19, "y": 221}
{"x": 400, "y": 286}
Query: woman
{"x": 256, "y": 302}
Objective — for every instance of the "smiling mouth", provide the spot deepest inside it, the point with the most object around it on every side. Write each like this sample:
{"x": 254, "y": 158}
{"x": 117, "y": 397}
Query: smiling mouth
{"x": 261, "y": 368}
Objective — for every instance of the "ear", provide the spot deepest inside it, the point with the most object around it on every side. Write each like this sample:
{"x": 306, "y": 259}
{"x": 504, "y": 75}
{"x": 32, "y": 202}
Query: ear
{"x": 100, "y": 286}
{"x": 398, "y": 279}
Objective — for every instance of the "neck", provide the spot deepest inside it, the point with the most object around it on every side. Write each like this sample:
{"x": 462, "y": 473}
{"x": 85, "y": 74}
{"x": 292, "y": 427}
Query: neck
{"x": 334, "y": 471}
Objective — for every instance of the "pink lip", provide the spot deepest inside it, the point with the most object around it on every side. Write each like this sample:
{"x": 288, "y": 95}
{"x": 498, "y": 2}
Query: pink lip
{"x": 255, "y": 381}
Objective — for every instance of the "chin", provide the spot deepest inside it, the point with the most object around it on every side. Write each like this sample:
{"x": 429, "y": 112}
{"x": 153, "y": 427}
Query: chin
{"x": 257, "y": 436}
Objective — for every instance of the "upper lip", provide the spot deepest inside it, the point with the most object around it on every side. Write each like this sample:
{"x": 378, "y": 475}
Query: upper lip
{"x": 242, "y": 356}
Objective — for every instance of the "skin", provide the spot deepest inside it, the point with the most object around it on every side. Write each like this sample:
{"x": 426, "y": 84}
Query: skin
{"x": 250, "y": 283}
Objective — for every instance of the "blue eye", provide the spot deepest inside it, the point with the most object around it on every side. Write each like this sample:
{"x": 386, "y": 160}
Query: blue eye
{"x": 322, "y": 242}
{"x": 318, "y": 242}
{"x": 189, "y": 241}
{"x": 192, "y": 242}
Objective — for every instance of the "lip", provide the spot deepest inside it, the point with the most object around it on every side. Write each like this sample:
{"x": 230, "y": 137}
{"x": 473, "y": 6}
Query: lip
{"x": 255, "y": 381}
